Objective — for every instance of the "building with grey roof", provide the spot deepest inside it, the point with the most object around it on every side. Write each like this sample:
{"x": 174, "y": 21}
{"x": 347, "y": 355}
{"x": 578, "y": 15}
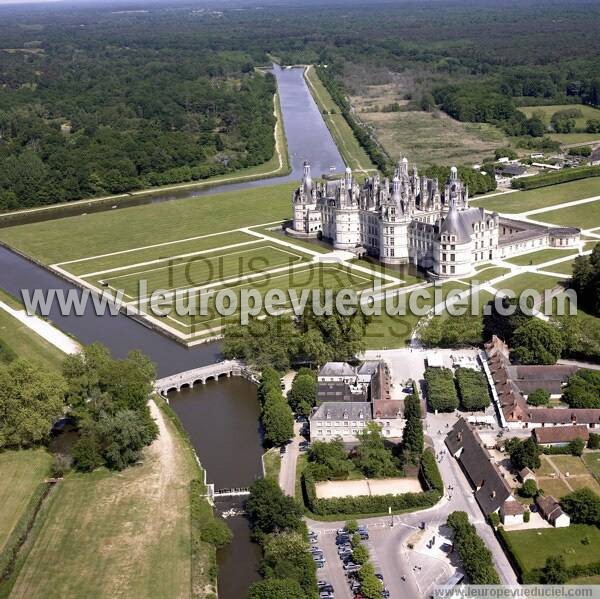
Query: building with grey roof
{"x": 411, "y": 219}
{"x": 491, "y": 489}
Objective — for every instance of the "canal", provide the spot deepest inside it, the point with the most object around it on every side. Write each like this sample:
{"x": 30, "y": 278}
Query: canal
{"x": 220, "y": 417}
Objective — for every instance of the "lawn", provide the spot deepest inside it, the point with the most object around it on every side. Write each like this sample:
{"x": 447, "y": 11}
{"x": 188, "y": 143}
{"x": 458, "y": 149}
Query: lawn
{"x": 584, "y": 216}
{"x": 111, "y": 231}
{"x": 272, "y": 462}
{"x": 352, "y": 152}
{"x": 24, "y": 342}
{"x": 523, "y": 201}
{"x": 308, "y": 276}
{"x": 124, "y": 534}
{"x": 533, "y": 547}
{"x": 540, "y": 257}
{"x": 486, "y": 274}
{"x": 553, "y": 486}
{"x": 568, "y": 463}
{"x": 20, "y": 472}
{"x": 529, "y": 280}
{"x": 564, "y": 268}
{"x": 592, "y": 460}
{"x": 428, "y": 138}
{"x": 587, "y": 113}
{"x": 201, "y": 269}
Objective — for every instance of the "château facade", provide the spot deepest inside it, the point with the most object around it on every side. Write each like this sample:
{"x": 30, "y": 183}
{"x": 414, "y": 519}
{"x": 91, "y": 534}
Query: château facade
{"x": 408, "y": 220}
{"x": 411, "y": 219}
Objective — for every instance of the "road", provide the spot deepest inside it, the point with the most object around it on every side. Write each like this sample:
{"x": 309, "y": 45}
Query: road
{"x": 287, "y": 470}
{"x": 422, "y": 567}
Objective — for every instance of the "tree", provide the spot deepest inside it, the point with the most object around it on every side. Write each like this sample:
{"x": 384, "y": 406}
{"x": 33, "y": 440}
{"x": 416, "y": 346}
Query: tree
{"x": 116, "y": 438}
{"x": 370, "y": 585}
{"x": 276, "y": 588}
{"x": 594, "y": 441}
{"x": 278, "y": 421}
{"x": 503, "y": 323}
{"x": 524, "y": 454}
{"x": 329, "y": 460}
{"x": 360, "y": 554}
{"x": 303, "y": 394}
{"x": 31, "y": 400}
{"x": 371, "y": 455}
{"x": 555, "y": 570}
{"x": 576, "y": 446}
{"x": 539, "y": 397}
{"x": 287, "y": 556}
{"x": 270, "y": 510}
{"x": 537, "y": 342}
{"x": 412, "y": 435}
{"x": 528, "y": 489}
{"x": 583, "y": 506}
{"x": 583, "y": 389}
{"x": 441, "y": 391}
{"x": 473, "y": 389}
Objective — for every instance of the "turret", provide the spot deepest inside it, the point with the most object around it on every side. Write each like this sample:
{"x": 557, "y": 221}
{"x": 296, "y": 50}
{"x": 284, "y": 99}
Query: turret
{"x": 307, "y": 183}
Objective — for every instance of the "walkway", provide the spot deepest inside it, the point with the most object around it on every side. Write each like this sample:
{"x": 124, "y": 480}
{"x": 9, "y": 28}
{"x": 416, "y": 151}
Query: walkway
{"x": 44, "y": 329}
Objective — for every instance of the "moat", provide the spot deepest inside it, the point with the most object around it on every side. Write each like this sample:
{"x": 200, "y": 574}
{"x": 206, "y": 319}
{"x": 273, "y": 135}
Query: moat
{"x": 221, "y": 417}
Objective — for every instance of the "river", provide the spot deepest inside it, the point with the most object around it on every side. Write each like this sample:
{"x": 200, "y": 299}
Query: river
{"x": 221, "y": 417}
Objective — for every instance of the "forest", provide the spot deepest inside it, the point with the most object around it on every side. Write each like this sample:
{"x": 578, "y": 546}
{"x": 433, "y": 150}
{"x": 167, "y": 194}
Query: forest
{"x": 99, "y": 100}
{"x": 91, "y": 105}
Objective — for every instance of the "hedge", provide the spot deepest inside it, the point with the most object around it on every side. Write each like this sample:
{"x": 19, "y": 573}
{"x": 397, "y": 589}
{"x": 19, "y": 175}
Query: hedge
{"x": 430, "y": 473}
{"x": 562, "y": 176}
{"x": 441, "y": 392}
{"x": 472, "y": 389}
{"x": 379, "y": 504}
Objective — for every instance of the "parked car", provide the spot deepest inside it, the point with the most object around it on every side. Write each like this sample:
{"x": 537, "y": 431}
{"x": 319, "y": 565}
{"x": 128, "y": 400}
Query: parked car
{"x": 325, "y": 587}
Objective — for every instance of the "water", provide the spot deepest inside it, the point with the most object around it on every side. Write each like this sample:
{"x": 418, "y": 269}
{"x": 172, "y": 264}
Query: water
{"x": 308, "y": 139}
{"x": 222, "y": 417}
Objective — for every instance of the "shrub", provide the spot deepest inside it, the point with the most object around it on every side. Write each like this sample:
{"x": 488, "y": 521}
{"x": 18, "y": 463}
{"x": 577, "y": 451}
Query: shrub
{"x": 594, "y": 441}
{"x": 576, "y": 447}
{"x": 528, "y": 489}
{"x": 472, "y": 389}
{"x": 539, "y": 397}
{"x": 563, "y": 176}
{"x": 526, "y": 516}
{"x": 430, "y": 472}
{"x": 441, "y": 392}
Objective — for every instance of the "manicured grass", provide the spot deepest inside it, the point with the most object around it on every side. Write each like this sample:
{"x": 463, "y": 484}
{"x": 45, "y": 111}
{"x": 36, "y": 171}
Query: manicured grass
{"x": 565, "y": 268}
{"x": 540, "y": 257}
{"x": 352, "y": 152}
{"x": 569, "y": 463}
{"x": 27, "y": 344}
{"x": 584, "y": 216}
{"x": 574, "y": 138}
{"x": 587, "y": 112}
{"x": 523, "y": 201}
{"x": 592, "y": 460}
{"x": 20, "y": 472}
{"x": 546, "y": 468}
{"x": 201, "y": 269}
{"x": 533, "y": 547}
{"x": 310, "y": 276}
{"x": 486, "y": 274}
{"x": 162, "y": 252}
{"x": 124, "y": 534}
{"x": 529, "y": 281}
{"x": 554, "y": 486}
{"x": 581, "y": 482}
{"x": 111, "y": 231}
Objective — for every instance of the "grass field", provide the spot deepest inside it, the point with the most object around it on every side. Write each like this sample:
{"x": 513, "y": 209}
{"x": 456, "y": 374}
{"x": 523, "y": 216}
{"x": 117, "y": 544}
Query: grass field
{"x": 352, "y": 152}
{"x": 486, "y": 274}
{"x": 107, "y": 232}
{"x": 522, "y": 201}
{"x": 434, "y": 138}
{"x": 123, "y": 534}
{"x": 565, "y": 268}
{"x": 587, "y": 113}
{"x": 592, "y": 460}
{"x": 585, "y": 216}
{"x": 24, "y": 342}
{"x": 173, "y": 247}
{"x": 529, "y": 281}
{"x": 21, "y": 472}
{"x": 541, "y": 256}
{"x": 533, "y": 547}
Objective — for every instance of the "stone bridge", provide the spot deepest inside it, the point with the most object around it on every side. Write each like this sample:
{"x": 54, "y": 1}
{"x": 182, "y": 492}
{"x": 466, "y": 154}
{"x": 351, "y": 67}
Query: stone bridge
{"x": 189, "y": 378}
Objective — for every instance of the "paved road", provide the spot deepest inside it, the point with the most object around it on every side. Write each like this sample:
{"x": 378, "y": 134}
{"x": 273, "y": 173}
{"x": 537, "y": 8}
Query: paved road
{"x": 287, "y": 471}
{"x": 421, "y": 566}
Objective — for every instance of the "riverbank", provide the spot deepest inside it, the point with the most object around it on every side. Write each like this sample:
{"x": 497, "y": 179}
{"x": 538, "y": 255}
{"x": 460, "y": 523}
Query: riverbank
{"x": 278, "y": 166}
{"x": 129, "y": 532}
